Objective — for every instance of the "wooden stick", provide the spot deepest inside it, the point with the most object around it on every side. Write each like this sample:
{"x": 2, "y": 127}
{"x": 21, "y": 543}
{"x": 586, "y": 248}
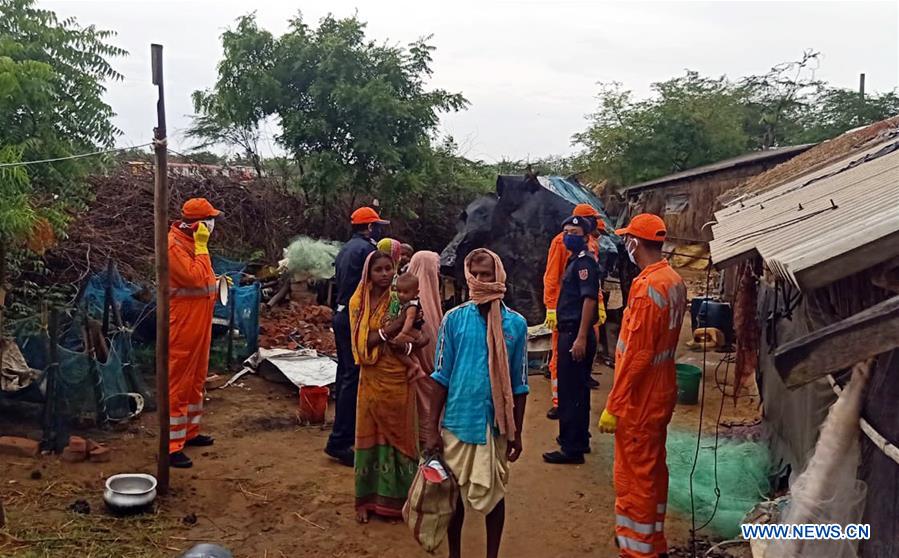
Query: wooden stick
{"x": 309, "y": 522}
{"x": 161, "y": 214}
{"x": 248, "y": 493}
{"x": 51, "y": 421}
{"x": 107, "y": 297}
{"x": 232, "y": 307}
{"x": 279, "y": 296}
{"x": 839, "y": 345}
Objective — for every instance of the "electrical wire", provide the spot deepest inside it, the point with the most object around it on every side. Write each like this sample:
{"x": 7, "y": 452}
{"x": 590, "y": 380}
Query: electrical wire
{"x": 725, "y": 360}
{"x": 70, "y": 157}
{"x": 708, "y": 281}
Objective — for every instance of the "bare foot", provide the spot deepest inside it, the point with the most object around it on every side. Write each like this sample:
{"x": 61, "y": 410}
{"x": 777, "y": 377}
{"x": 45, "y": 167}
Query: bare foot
{"x": 362, "y": 516}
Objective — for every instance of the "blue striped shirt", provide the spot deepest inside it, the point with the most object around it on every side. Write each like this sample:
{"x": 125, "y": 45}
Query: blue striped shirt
{"x": 461, "y": 367}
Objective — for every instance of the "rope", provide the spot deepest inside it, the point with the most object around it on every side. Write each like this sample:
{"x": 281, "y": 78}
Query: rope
{"x": 70, "y": 157}
{"x": 876, "y": 438}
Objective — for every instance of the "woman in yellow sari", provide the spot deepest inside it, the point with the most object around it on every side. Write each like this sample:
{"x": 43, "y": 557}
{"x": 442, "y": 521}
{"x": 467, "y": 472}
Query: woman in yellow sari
{"x": 386, "y": 447}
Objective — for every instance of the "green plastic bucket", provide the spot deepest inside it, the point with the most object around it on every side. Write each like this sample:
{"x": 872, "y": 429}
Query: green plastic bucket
{"x": 688, "y": 378}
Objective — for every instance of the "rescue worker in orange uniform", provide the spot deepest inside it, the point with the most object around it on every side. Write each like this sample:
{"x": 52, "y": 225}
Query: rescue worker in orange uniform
{"x": 556, "y": 260}
{"x": 644, "y": 392}
{"x": 193, "y": 293}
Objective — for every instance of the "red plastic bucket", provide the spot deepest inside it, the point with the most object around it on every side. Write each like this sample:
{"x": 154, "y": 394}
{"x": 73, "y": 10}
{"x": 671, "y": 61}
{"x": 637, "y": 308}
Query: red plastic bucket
{"x": 313, "y": 404}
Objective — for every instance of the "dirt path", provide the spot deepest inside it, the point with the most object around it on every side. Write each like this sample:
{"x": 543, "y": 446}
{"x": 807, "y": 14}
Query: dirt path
{"x": 267, "y": 490}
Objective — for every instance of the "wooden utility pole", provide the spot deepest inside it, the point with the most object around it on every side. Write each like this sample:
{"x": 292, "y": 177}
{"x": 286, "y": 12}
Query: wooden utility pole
{"x": 861, "y": 86}
{"x": 161, "y": 204}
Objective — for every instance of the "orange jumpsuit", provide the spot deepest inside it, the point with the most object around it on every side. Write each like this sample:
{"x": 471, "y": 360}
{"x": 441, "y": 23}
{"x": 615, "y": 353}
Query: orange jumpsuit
{"x": 192, "y": 283}
{"x": 556, "y": 260}
{"x": 643, "y": 398}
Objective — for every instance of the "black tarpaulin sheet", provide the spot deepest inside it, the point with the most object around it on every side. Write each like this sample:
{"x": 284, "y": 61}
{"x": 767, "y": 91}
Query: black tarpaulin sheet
{"x": 518, "y": 224}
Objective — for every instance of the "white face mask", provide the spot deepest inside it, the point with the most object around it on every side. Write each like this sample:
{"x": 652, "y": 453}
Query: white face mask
{"x": 210, "y": 224}
{"x": 631, "y": 246}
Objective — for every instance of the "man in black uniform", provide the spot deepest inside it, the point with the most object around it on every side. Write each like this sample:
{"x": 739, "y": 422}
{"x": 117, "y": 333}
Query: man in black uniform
{"x": 577, "y": 313}
{"x": 349, "y": 263}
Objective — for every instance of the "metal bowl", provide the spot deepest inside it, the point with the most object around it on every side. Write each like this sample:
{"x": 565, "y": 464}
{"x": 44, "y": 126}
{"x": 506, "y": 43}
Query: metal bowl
{"x": 130, "y": 492}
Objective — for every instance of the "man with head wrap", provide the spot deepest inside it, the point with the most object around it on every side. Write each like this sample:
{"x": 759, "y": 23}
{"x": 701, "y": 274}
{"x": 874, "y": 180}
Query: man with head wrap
{"x": 481, "y": 369}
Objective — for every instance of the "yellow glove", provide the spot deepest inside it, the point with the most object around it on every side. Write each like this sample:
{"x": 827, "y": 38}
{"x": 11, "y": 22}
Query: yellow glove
{"x": 608, "y": 422}
{"x": 551, "y": 320}
{"x": 229, "y": 280}
{"x": 201, "y": 240}
{"x": 601, "y": 311}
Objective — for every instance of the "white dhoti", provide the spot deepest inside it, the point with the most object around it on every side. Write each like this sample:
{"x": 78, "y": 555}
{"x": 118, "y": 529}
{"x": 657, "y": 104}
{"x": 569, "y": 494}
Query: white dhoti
{"x": 482, "y": 471}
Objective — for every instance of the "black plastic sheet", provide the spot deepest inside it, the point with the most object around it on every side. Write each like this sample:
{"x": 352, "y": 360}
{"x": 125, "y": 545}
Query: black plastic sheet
{"x": 519, "y": 224}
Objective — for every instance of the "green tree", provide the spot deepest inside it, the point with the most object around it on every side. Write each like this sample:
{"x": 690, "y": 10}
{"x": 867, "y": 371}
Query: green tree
{"x": 837, "y": 110}
{"x": 694, "y": 120}
{"x": 200, "y": 157}
{"x": 776, "y": 102}
{"x": 691, "y": 121}
{"x": 52, "y": 75}
{"x": 244, "y": 94}
{"x": 16, "y": 212}
{"x": 355, "y": 115}
{"x": 430, "y": 197}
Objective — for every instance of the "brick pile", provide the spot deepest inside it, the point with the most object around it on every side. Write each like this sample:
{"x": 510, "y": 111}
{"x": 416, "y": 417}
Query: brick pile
{"x": 294, "y": 326}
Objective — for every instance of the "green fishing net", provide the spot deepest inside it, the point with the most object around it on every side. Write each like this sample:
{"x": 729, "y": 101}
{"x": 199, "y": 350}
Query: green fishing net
{"x": 743, "y": 471}
{"x": 311, "y": 258}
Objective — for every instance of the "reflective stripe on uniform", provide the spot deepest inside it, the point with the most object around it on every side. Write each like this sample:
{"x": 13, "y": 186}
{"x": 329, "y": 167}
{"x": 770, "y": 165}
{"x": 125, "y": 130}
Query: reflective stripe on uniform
{"x": 660, "y": 526}
{"x": 660, "y": 508}
{"x": 621, "y": 346}
{"x": 659, "y": 358}
{"x": 196, "y": 419}
{"x": 178, "y": 434}
{"x": 656, "y": 297}
{"x": 186, "y": 292}
{"x": 198, "y": 408}
{"x": 636, "y": 526}
{"x": 633, "y": 544}
{"x": 177, "y": 421}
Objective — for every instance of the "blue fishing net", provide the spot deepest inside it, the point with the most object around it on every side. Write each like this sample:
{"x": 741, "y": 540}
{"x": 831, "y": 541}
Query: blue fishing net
{"x": 123, "y": 295}
{"x": 85, "y": 387}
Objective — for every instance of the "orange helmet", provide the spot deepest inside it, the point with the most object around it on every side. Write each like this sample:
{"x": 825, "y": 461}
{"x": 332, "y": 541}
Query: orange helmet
{"x": 646, "y": 226}
{"x": 585, "y": 210}
{"x": 366, "y": 215}
{"x": 196, "y": 209}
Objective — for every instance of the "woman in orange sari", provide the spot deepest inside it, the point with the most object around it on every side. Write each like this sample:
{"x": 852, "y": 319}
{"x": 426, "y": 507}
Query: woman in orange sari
{"x": 386, "y": 447}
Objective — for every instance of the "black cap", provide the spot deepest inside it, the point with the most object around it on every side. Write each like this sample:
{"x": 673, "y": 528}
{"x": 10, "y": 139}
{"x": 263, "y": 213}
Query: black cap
{"x": 585, "y": 223}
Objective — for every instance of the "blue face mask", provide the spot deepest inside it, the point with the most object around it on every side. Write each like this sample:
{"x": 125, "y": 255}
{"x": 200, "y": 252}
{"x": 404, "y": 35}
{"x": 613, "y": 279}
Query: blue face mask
{"x": 377, "y": 231}
{"x": 575, "y": 244}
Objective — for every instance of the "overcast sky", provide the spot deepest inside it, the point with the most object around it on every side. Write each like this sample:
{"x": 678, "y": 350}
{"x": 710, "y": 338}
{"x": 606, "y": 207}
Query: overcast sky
{"x": 529, "y": 68}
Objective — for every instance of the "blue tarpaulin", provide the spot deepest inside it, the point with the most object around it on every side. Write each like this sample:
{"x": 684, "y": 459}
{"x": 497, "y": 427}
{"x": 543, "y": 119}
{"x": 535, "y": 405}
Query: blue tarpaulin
{"x": 245, "y": 299}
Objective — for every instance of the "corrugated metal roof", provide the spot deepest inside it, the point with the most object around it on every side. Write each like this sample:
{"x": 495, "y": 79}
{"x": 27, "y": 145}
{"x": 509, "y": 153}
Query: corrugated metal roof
{"x": 823, "y": 226}
{"x": 746, "y": 159}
